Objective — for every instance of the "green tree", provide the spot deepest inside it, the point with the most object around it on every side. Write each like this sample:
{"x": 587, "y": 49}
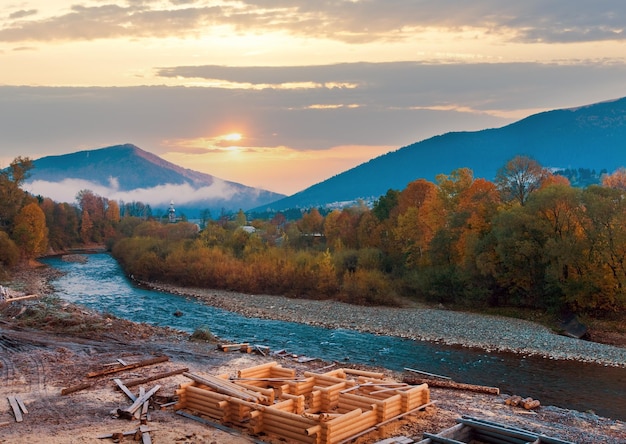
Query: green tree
{"x": 384, "y": 206}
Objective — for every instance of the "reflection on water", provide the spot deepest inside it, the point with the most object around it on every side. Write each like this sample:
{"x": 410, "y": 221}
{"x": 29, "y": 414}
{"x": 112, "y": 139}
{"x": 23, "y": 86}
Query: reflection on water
{"x": 101, "y": 285}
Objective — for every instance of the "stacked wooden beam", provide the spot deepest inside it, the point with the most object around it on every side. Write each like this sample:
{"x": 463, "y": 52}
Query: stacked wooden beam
{"x": 321, "y": 408}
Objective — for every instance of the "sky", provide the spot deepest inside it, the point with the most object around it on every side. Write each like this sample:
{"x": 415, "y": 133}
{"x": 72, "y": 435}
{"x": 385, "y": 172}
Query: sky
{"x": 283, "y": 94}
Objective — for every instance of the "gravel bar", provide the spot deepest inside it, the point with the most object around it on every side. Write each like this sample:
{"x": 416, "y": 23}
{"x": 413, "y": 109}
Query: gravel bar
{"x": 486, "y": 332}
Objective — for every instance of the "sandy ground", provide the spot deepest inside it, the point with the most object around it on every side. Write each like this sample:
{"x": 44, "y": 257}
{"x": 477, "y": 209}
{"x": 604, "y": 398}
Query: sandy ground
{"x": 42, "y": 354}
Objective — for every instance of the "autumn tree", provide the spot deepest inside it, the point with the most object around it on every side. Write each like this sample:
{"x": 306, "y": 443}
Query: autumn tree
{"x": 9, "y": 252}
{"x": 418, "y": 220}
{"x": 604, "y": 226}
{"x": 520, "y": 177}
{"x": 12, "y": 197}
{"x": 86, "y": 228}
{"x": 615, "y": 180}
{"x": 311, "y": 222}
{"x": 30, "y": 232}
{"x": 112, "y": 211}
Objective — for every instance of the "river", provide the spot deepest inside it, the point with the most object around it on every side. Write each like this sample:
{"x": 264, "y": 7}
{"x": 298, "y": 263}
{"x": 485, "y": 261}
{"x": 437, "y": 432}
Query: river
{"x": 100, "y": 284}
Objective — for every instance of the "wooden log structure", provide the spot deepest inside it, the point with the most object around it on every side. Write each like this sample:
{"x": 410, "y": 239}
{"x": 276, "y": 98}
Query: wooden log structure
{"x": 257, "y": 371}
{"x": 317, "y": 409}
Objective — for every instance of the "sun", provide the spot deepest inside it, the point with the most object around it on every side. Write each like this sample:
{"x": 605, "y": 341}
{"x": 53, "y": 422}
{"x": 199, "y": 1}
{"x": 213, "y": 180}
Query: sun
{"x": 233, "y": 137}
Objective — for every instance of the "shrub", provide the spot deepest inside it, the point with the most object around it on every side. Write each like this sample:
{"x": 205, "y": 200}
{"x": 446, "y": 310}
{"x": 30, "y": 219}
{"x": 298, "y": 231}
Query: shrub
{"x": 202, "y": 334}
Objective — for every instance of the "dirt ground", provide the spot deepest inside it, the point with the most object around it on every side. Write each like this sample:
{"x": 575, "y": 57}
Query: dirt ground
{"x": 47, "y": 345}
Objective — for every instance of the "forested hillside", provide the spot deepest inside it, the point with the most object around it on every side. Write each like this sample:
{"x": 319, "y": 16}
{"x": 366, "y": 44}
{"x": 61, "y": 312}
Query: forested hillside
{"x": 589, "y": 137}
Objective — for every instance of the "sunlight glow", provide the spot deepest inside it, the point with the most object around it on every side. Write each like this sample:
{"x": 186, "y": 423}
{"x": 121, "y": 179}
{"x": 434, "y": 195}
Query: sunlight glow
{"x": 233, "y": 137}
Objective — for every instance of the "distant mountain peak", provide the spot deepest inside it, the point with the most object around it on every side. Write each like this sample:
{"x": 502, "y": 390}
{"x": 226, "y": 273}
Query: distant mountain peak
{"x": 127, "y": 172}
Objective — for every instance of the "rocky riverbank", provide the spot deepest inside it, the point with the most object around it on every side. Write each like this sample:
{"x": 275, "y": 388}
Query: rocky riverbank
{"x": 490, "y": 333}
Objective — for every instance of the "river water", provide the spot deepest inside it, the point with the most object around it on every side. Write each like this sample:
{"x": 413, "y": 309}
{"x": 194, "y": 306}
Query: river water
{"x": 100, "y": 284}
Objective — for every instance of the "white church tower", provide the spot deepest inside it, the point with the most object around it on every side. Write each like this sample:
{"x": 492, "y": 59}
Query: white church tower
{"x": 172, "y": 213}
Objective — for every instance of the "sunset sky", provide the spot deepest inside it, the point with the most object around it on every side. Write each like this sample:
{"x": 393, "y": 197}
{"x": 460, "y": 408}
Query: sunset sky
{"x": 284, "y": 94}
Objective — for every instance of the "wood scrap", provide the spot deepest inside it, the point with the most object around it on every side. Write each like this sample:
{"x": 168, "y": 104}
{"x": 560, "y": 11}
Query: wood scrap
{"x": 130, "y": 411}
{"x": 231, "y": 347}
{"x": 21, "y": 404}
{"x": 113, "y": 435}
{"x": 144, "y": 363}
{"x": 125, "y": 389}
{"x": 17, "y": 413}
{"x": 138, "y": 412}
{"x": 135, "y": 382}
{"x": 21, "y": 298}
{"x": 145, "y": 434}
{"x": 75, "y": 388}
{"x": 449, "y": 384}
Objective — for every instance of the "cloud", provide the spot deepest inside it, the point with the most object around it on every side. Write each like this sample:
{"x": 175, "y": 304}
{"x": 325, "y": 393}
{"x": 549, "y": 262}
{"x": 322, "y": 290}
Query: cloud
{"x": 66, "y": 191}
{"x": 557, "y": 21}
{"x": 395, "y": 104}
{"x": 22, "y": 13}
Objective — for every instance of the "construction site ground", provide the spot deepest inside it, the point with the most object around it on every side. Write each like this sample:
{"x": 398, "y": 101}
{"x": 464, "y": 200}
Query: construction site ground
{"x": 49, "y": 345}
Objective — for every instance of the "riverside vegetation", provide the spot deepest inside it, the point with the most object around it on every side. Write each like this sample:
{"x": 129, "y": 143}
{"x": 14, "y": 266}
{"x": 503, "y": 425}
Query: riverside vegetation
{"x": 527, "y": 243}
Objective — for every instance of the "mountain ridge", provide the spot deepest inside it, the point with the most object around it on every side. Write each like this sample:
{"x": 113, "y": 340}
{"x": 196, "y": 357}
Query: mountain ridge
{"x": 589, "y": 136}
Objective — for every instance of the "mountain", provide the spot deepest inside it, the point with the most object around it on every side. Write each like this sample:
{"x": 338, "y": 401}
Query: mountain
{"x": 128, "y": 173}
{"x": 590, "y": 137}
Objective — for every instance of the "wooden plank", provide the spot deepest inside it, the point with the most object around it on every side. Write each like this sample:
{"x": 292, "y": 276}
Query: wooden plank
{"x": 137, "y": 414}
{"x": 144, "y": 363}
{"x": 20, "y": 402}
{"x": 144, "y": 409}
{"x": 145, "y": 434}
{"x": 16, "y": 409}
{"x": 141, "y": 399}
{"x": 125, "y": 389}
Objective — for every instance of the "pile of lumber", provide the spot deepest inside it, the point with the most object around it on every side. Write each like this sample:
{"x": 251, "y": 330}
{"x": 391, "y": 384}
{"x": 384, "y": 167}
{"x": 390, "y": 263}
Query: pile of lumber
{"x": 316, "y": 408}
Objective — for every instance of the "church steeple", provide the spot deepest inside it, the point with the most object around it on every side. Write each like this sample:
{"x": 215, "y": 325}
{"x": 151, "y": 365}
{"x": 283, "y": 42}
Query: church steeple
{"x": 171, "y": 213}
